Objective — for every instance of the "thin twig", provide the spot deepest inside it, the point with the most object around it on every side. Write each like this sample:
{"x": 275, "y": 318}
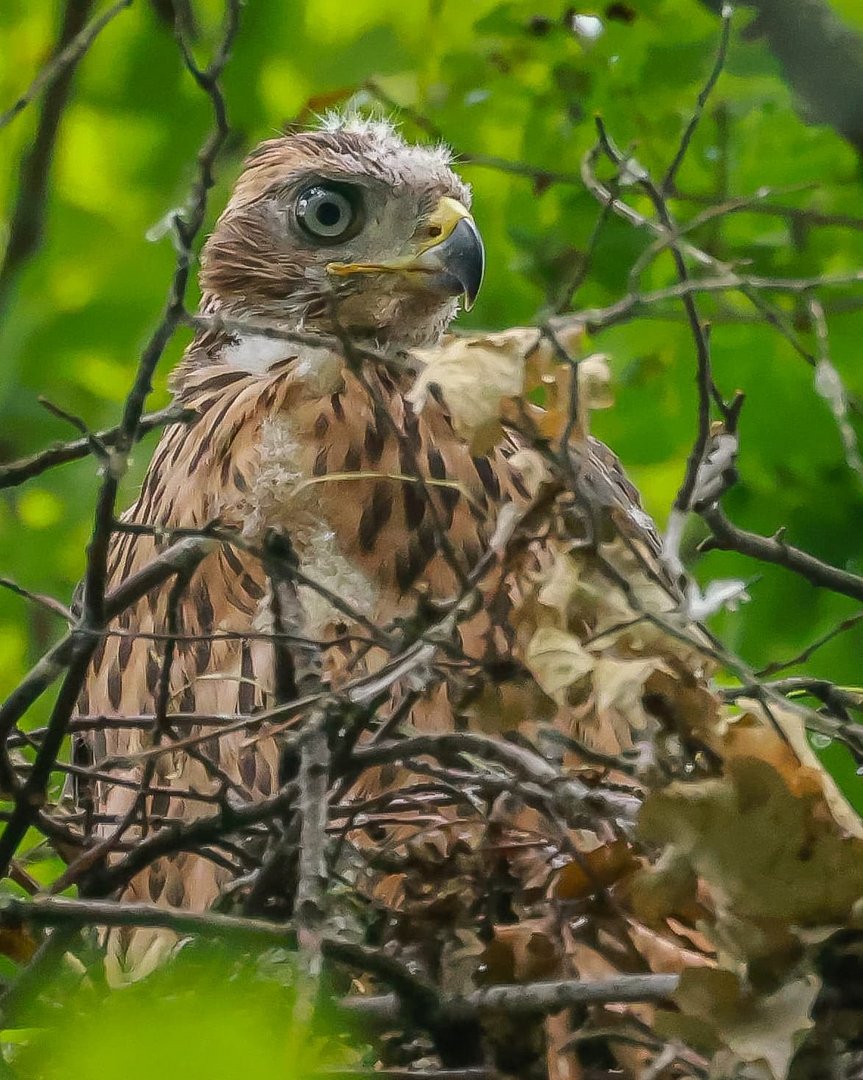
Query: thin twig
{"x": 668, "y": 181}
{"x": 66, "y": 59}
{"x": 47, "y": 602}
{"x": 807, "y": 652}
{"x": 27, "y": 468}
{"x": 26, "y": 221}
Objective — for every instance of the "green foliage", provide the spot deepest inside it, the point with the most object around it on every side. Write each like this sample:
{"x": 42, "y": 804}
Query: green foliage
{"x": 507, "y": 80}
{"x": 207, "y": 1016}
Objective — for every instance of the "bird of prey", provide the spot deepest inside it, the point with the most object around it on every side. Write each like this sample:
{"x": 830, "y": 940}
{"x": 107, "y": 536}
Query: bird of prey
{"x": 340, "y": 251}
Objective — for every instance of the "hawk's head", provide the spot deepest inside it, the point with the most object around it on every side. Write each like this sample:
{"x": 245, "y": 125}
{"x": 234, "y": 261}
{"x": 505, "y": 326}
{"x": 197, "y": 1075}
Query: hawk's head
{"x": 350, "y": 219}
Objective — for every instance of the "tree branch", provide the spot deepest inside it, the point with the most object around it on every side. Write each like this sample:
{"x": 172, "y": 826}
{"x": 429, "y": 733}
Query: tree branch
{"x": 17, "y": 472}
{"x": 729, "y": 537}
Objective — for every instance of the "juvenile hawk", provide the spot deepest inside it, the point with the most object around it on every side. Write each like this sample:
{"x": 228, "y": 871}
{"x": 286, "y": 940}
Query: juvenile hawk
{"x": 360, "y": 246}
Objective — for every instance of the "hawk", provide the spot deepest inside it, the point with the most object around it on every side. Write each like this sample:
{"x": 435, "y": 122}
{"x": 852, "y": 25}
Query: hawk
{"x": 340, "y": 251}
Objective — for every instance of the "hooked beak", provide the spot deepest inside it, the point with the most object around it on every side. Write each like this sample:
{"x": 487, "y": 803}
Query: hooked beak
{"x": 452, "y": 261}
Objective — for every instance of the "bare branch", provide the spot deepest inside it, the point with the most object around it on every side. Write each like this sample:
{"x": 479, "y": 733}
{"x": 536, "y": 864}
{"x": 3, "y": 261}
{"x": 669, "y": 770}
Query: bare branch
{"x": 314, "y": 782}
{"x": 668, "y": 181}
{"x": 17, "y": 472}
{"x": 728, "y": 537}
{"x": 68, "y": 57}
{"x": 28, "y": 215}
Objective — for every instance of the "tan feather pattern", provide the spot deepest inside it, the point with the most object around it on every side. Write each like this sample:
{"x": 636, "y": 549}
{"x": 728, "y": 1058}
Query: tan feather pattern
{"x": 274, "y": 451}
{"x": 385, "y": 507}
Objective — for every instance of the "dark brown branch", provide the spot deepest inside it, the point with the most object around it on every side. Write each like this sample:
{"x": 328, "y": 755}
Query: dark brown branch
{"x": 704, "y": 379}
{"x": 183, "y": 555}
{"x": 192, "y": 836}
{"x": 573, "y": 800}
{"x": 18, "y": 471}
{"x": 30, "y": 798}
{"x": 839, "y": 701}
{"x": 668, "y": 181}
{"x": 520, "y": 999}
{"x": 73, "y": 654}
{"x": 729, "y": 537}
{"x": 750, "y": 287}
{"x": 76, "y": 650}
{"x": 55, "y": 911}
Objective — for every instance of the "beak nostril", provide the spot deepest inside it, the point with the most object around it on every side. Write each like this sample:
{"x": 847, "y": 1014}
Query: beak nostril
{"x": 434, "y": 231}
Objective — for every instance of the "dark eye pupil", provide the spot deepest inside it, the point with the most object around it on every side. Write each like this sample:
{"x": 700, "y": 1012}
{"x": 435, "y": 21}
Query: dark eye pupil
{"x": 328, "y": 213}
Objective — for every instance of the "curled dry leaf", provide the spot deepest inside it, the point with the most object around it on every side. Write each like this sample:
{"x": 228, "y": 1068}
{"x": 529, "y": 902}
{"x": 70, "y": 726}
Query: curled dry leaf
{"x": 600, "y": 868}
{"x": 504, "y": 706}
{"x": 764, "y": 850}
{"x": 480, "y": 377}
{"x": 474, "y": 375}
{"x": 618, "y": 687}
{"x": 662, "y": 953}
{"x": 781, "y": 738}
{"x": 557, "y": 660}
{"x": 669, "y": 888}
{"x": 717, "y": 1012}
{"x": 18, "y": 944}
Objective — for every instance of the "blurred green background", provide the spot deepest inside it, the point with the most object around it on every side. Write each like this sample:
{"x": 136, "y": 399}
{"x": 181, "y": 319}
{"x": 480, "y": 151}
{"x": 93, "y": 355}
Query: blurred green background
{"x": 213, "y": 1013}
{"x": 512, "y": 80}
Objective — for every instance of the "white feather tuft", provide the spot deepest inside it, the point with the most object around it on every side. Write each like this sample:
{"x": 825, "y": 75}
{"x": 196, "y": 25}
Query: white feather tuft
{"x": 385, "y": 132}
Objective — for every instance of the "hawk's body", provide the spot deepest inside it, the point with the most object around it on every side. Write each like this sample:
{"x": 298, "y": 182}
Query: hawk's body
{"x": 326, "y": 448}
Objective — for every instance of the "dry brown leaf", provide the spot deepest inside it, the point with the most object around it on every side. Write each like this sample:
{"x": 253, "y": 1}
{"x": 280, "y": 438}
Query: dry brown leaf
{"x": 664, "y": 955}
{"x": 748, "y": 736}
{"x": 543, "y": 363}
{"x": 688, "y": 707}
{"x": 594, "y": 381}
{"x": 717, "y": 1012}
{"x": 479, "y": 376}
{"x": 763, "y": 851}
{"x": 771, "y": 948}
{"x": 475, "y": 375}
{"x": 557, "y": 660}
{"x": 544, "y": 370}
{"x": 668, "y": 888}
{"x": 524, "y": 952}
{"x": 18, "y": 944}
{"x": 618, "y": 686}
{"x": 755, "y": 734}
{"x": 506, "y": 706}
{"x": 532, "y": 468}
{"x": 559, "y": 586}
{"x": 559, "y": 1062}
{"x": 597, "y": 869}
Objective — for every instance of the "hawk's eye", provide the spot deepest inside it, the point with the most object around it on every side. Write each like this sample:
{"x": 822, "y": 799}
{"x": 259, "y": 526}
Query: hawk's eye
{"x": 330, "y": 212}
